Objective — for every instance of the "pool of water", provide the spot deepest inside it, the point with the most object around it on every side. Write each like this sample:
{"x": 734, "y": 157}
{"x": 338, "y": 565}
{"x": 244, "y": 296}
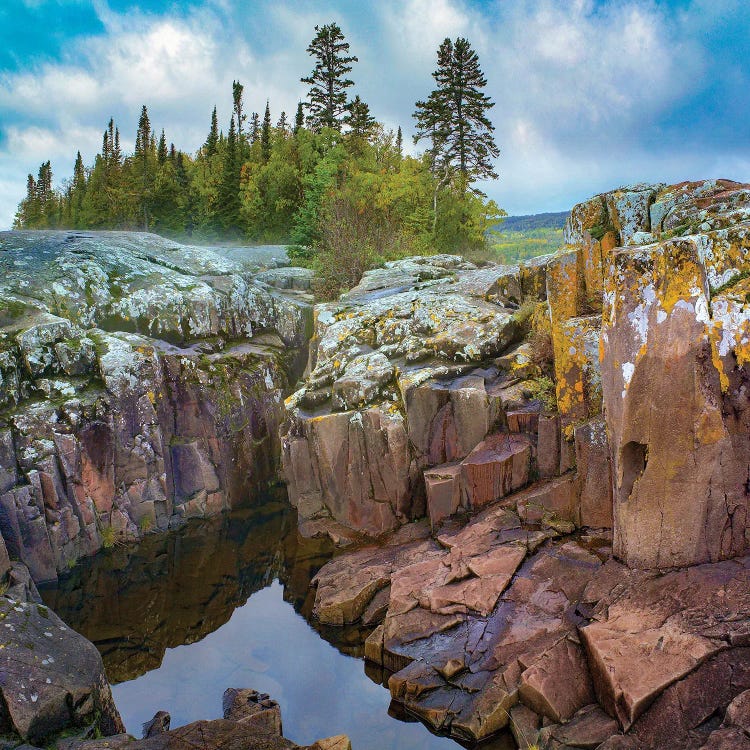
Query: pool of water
{"x": 225, "y": 603}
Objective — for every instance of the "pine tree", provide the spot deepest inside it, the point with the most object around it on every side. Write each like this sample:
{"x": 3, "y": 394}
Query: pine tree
{"x": 143, "y": 135}
{"x": 454, "y": 116}
{"x": 399, "y": 142}
{"x": 77, "y": 190}
{"x": 239, "y": 117}
{"x": 229, "y": 190}
{"x": 209, "y": 146}
{"x": 161, "y": 151}
{"x": 116, "y": 150}
{"x": 265, "y": 135}
{"x": 282, "y": 125}
{"x": 143, "y": 168}
{"x": 254, "y": 128}
{"x": 299, "y": 118}
{"x": 359, "y": 119}
{"x": 327, "y": 99}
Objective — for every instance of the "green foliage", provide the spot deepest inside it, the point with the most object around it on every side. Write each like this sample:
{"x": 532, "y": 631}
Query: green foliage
{"x": 337, "y": 187}
{"x": 515, "y": 246}
{"x": 109, "y": 536}
{"x": 543, "y": 389}
{"x": 327, "y": 100}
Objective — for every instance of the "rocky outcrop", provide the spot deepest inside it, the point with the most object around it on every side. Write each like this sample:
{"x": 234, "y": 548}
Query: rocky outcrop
{"x": 51, "y": 678}
{"x": 252, "y": 721}
{"x": 141, "y": 383}
{"x": 517, "y": 619}
{"x": 420, "y": 399}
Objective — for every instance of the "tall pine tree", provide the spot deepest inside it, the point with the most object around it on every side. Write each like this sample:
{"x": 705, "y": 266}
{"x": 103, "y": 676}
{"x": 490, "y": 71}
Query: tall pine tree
{"x": 327, "y": 100}
{"x": 265, "y": 135}
{"x": 209, "y": 147}
{"x": 359, "y": 119}
{"x": 454, "y": 116}
{"x": 299, "y": 118}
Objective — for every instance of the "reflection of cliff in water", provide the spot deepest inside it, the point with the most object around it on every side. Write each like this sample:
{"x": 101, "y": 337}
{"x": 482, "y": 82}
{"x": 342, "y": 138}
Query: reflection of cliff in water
{"x": 173, "y": 589}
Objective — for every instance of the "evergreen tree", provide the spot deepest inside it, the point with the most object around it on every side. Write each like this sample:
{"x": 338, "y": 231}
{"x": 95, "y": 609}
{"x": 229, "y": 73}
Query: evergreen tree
{"x": 359, "y": 119}
{"x": 454, "y": 116}
{"x": 399, "y": 142}
{"x": 299, "y": 118}
{"x": 77, "y": 190}
{"x": 255, "y": 128}
{"x": 239, "y": 116}
{"x": 282, "y": 125}
{"x": 161, "y": 151}
{"x": 265, "y": 135}
{"x": 229, "y": 190}
{"x": 116, "y": 150}
{"x": 143, "y": 168}
{"x": 143, "y": 135}
{"x": 327, "y": 99}
{"x": 212, "y": 141}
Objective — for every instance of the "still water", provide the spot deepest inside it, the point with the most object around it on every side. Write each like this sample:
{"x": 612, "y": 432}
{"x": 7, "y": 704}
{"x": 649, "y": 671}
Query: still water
{"x": 225, "y": 603}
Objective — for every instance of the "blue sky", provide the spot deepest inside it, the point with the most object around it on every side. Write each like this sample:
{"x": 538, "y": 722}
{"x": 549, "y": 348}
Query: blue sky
{"x": 589, "y": 95}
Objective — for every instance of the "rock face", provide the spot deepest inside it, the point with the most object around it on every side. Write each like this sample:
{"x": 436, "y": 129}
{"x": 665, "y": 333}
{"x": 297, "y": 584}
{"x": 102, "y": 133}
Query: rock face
{"x": 141, "y": 383}
{"x": 518, "y": 619}
{"x": 418, "y": 399}
{"x": 674, "y": 342}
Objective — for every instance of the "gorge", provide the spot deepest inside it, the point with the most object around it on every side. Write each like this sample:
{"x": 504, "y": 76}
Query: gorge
{"x": 521, "y": 492}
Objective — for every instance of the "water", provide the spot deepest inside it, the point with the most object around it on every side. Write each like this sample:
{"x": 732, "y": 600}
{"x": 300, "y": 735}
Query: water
{"x": 223, "y": 603}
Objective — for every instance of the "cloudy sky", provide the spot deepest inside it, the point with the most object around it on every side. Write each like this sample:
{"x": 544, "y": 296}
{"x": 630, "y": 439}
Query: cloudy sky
{"x": 589, "y": 95}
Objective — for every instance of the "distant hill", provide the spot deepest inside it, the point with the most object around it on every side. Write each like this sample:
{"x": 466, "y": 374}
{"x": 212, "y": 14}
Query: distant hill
{"x": 554, "y": 220}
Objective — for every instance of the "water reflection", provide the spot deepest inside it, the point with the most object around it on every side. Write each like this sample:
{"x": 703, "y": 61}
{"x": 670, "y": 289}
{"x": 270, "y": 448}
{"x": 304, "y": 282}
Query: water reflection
{"x": 222, "y": 603}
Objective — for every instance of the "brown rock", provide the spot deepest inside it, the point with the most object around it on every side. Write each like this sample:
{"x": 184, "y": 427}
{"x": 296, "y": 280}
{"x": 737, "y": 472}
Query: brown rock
{"x": 594, "y": 470}
{"x": 443, "y": 487}
{"x": 557, "y": 684}
{"x": 548, "y": 446}
{"x": 495, "y": 468}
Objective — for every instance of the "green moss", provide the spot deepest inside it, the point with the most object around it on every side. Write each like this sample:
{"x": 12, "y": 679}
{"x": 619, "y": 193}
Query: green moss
{"x": 730, "y": 283}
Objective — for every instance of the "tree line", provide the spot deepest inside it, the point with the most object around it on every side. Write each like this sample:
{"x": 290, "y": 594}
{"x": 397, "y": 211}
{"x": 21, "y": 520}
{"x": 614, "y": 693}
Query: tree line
{"x": 332, "y": 182}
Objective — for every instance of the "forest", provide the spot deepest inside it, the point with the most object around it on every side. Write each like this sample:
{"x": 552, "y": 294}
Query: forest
{"x": 330, "y": 181}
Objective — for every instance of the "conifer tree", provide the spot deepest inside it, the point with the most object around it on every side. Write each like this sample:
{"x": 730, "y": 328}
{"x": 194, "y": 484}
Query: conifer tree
{"x": 327, "y": 99}
{"x": 265, "y": 135}
{"x": 282, "y": 125}
{"x": 299, "y": 118}
{"x": 212, "y": 141}
{"x": 399, "y": 142}
{"x": 254, "y": 128}
{"x": 229, "y": 190}
{"x": 161, "y": 151}
{"x": 454, "y": 116}
{"x": 359, "y": 119}
{"x": 143, "y": 168}
{"x": 239, "y": 116}
{"x": 116, "y": 150}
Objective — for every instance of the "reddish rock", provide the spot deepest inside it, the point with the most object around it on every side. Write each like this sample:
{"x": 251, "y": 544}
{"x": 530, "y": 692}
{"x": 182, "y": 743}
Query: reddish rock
{"x": 558, "y": 497}
{"x": 546, "y": 685}
{"x": 654, "y": 630}
{"x": 548, "y": 446}
{"x": 495, "y": 468}
{"x": 595, "y": 475}
{"x": 443, "y": 487}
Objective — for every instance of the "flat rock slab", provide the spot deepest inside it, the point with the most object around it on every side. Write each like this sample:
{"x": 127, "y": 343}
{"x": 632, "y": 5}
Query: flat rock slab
{"x": 653, "y": 630}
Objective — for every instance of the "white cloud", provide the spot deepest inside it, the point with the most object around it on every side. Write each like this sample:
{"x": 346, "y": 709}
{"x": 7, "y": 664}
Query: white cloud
{"x": 580, "y": 87}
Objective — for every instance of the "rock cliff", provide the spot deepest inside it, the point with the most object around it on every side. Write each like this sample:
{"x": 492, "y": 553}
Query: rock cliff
{"x": 141, "y": 383}
{"x": 583, "y": 581}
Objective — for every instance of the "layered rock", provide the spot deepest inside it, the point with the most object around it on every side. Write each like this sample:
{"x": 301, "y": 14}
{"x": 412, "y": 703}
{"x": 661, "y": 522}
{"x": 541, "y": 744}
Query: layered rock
{"x": 141, "y": 382}
{"x": 419, "y": 399}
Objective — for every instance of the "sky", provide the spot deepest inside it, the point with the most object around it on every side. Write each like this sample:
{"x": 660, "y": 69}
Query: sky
{"x": 588, "y": 95}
